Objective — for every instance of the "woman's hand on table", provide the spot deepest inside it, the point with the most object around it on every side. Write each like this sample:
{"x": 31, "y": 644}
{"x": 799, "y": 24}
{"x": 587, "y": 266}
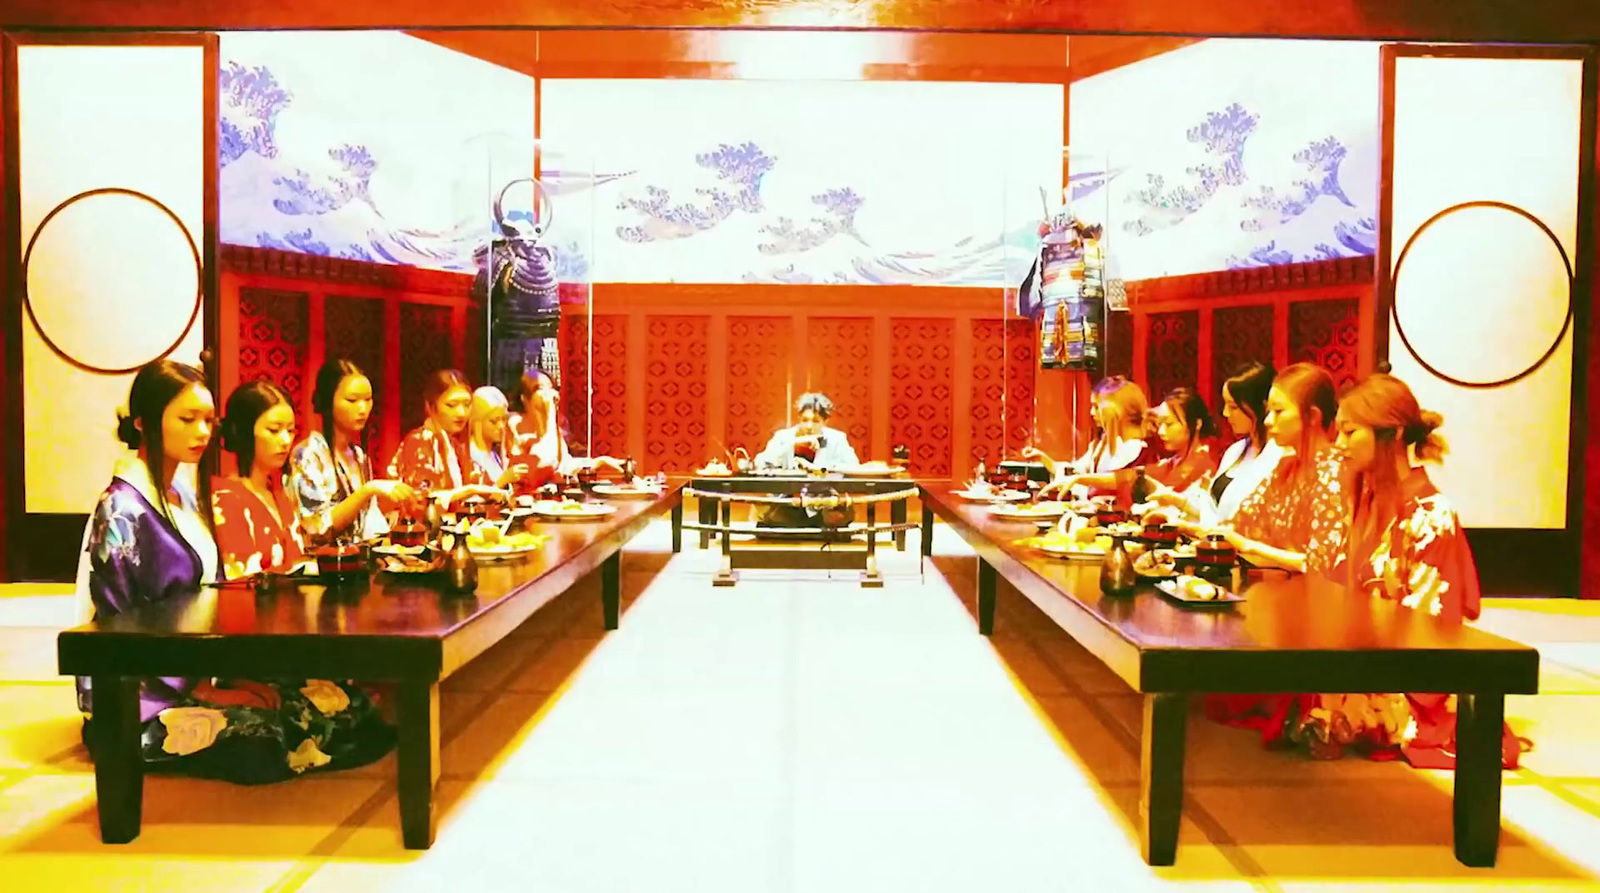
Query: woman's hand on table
{"x": 1058, "y": 488}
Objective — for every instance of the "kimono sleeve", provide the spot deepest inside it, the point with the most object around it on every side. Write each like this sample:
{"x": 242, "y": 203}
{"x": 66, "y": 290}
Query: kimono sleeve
{"x": 313, "y": 485}
{"x": 1327, "y": 523}
{"x": 1441, "y": 574}
{"x": 414, "y": 463}
{"x": 109, "y": 567}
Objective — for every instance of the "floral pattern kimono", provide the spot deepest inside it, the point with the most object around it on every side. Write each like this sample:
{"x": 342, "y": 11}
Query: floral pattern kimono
{"x": 1421, "y": 560}
{"x": 317, "y": 482}
{"x": 252, "y": 536}
{"x": 244, "y": 732}
{"x": 428, "y": 460}
{"x": 1298, "y": 515}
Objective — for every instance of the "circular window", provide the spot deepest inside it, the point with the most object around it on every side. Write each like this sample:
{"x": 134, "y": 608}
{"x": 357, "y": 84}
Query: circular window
{"x": 112, "y": 280}
{"x": 1461, "y": 254}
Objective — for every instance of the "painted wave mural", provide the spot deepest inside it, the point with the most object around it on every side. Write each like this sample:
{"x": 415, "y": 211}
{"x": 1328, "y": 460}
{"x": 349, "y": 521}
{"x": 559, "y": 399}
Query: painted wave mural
{"x": 1246, "y": 166}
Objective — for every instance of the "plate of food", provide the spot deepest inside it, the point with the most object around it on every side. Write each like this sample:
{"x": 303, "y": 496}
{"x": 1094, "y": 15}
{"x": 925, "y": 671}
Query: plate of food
{"x": 1191, "y": 590}
{"x": 873, "y": 470}
{"x": 639, "y": 489}
{"x": 987, "y": 492}
{"x": 1156, "y": 564}
{"x": 1033, "y": 511}
{"x": 389, "y": 549}
{"x": 487, "y": 542}
{"x": 714, "y": 469}
{"x": 567, "y": 510}
{"x": 1082, "y": 542}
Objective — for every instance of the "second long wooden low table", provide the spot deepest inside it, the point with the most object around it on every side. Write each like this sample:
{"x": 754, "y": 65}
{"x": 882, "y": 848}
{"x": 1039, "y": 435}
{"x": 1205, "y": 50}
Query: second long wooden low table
{"x": 1304, "y": 634}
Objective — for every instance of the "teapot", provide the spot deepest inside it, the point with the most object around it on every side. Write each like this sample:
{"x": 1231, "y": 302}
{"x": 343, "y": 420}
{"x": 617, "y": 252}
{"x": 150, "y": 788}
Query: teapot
{"x": 900, "y": 453}
{"x": 741, "y": 462}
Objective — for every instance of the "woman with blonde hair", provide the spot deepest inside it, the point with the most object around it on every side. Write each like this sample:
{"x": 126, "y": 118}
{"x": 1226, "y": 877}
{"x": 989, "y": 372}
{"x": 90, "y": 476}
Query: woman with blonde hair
{"x": 490, "y": 441}
{"x": 1119, "y": 409}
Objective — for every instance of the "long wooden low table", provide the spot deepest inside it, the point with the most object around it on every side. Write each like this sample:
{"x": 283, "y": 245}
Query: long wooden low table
{"x": 400, "y": 629}
{"x": 1304, "y": 634}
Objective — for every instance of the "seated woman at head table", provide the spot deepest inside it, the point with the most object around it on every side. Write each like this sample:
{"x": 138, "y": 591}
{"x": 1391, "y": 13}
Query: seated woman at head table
{"x": 1252, "y": 456}
{"x": 494, "y": 450}
{"x": 808, "y": 445}
{"x": 538, "y": 433}
{"x": 1184, "y": 425}
{"x": 434, "y": 458}
{"x": 330, "y": 472}
{"x": 149, "y": 541}
{"x": 1405, "y": 545}
{"x": 1119, "y": 409}
{"x": 257, "y": 526}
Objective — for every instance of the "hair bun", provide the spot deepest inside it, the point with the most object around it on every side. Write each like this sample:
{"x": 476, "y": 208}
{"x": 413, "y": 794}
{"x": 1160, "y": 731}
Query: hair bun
{"x": 128, "y": 431}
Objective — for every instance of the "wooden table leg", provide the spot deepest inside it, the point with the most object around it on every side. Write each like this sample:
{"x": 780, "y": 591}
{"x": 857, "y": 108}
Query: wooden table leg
{"x": 677, "y": 527}
{"x": 988, "y": 584}
{"x": 927, "y": 530}
{"x": 418, "y": 710}
{"x": 1480, "y": 720}
{"x": 611, "y": 589}
{"x": 706, "y": 510}
{"x": 118, "y": 764}
{"x": 1161, "y": 776}
{"x": 897, "y": 517}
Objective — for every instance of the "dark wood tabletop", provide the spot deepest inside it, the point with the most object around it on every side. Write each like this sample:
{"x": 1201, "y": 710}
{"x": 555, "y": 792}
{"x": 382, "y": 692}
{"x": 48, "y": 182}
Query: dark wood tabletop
{"x": 1301, "y": 634}
{"x": 1304, "y": 633}
{"x": 393, "y": 627}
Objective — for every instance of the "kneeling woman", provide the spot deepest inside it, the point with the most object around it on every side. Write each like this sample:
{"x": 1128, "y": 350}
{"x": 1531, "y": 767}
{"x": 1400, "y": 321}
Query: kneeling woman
{"x": 258, "y": 528}
{"x": 149, "y": 541}
{"x": 1406, "y": 545}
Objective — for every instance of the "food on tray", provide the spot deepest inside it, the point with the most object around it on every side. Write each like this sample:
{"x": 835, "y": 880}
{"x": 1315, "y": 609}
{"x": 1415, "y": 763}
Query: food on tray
{"x": 397, "y": 549}
{"x": 714, "y": 468}
{"x": 1156, "y": 563}
{"x": 489, "y": 539}
{"x": 1032, "y": 510}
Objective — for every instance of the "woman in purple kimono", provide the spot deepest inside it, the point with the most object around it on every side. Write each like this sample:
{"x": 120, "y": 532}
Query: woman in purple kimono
{"x": 148, "y": 541}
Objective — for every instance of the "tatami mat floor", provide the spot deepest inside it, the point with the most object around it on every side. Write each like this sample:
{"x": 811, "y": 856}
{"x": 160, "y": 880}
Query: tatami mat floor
{"x": 799, "y": 734}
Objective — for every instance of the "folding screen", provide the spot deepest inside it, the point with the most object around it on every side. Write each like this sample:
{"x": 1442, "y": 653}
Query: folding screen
{"x": 1483, "y": 208}
{"x": 111, "y": 195}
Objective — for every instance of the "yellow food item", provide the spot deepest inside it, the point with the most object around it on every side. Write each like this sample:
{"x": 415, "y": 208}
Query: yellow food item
{"x": 1085, "y": 535}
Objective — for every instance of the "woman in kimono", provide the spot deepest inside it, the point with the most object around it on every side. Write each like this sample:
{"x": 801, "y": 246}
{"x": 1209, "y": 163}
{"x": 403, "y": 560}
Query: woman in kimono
{"x": 434, "y": 458}
{"x": 1406, "y": 545}
{"x": 258, "y": 528}
{"x": 149, "y": 541}
{"x": 1244, "y": 464}
{"x": 330, "y": 474}
{"x": 492, "y": 447}
{"x": 1120, "y": 411}
{"x": 538, "y": 432}
{"x": 1295, "y": 520}
{"x": 1184, "y": 425}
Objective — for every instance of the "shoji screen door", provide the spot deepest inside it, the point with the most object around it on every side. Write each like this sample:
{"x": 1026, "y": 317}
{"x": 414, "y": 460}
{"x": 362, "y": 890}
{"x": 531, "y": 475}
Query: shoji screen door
{"x": 1486, "y": 239}
{"x": 110, "y": 248}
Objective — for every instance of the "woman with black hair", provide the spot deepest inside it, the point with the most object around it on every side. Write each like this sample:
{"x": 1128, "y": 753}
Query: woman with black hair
{"x": 257, "y": 526}
{"x": 149, "y": 542}
{"x": 330, "y": 474}
{"x": 1246, "y": 463}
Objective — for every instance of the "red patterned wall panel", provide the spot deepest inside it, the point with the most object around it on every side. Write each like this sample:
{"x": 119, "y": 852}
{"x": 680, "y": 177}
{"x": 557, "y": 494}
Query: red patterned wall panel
{"x": 1172, "y": 357}
{"x": 760, "y": 352}
{"x": 273, "y": 340}
{"x": 609, "y": 371}
{"x": 1326, "y": 333}
{"x": 676, "y": 374}
{"x": 1238, "y": 335}
{"x": 839, "y": 364}
{"x": 425, "y": 332}
{"x": 353, "y": 329}
{"x": 1119, "y": 343}
{"x": 920, "y": 378}
{"x": 1002, "y": 357}
{"x": 574, "y": 347}
{"x": 1021, "y": 367}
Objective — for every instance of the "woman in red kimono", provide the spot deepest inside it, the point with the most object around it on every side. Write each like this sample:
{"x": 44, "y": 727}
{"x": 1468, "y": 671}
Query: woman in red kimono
{"x": 1406, "y": 545}
{"x": 258, "y": 528}
{"x": 435, "y": 458}
{"x": 1295, "y": 520}
{"x": 1184, "y": 425}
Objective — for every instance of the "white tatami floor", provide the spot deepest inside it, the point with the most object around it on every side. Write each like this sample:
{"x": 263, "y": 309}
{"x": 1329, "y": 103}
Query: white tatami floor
{"x": 796, "y": 733}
